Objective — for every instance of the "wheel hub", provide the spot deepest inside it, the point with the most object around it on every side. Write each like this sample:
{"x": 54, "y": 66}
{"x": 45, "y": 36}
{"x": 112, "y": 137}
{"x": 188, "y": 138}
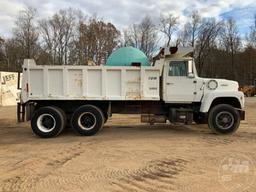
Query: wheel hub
{"x": 87, "y": 121}
{"x": 225, "y": 120}
{"x": 46, "y": 123}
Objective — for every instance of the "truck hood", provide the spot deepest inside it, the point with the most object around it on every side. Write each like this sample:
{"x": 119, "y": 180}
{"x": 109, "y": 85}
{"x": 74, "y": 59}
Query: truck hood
{"x": 220, "y": 85}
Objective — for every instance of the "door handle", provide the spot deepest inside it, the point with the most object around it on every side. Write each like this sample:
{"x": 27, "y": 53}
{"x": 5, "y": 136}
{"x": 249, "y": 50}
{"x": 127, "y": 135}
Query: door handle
{"x": 169, "y": 83}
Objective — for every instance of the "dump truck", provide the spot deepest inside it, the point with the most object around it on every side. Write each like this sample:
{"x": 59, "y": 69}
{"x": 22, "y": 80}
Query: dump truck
{"x": 167, "y": 91}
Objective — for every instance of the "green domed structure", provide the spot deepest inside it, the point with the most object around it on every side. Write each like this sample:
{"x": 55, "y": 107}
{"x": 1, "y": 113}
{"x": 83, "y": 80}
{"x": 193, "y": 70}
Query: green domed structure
{"x": 127, "y": 56}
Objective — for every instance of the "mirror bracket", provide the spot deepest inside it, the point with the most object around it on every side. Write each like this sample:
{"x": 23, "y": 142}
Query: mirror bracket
{"x": 191, "y": 75}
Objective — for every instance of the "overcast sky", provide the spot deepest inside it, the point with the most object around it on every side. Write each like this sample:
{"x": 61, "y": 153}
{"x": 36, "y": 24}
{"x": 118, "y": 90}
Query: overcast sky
{"x": 124, "y": 12}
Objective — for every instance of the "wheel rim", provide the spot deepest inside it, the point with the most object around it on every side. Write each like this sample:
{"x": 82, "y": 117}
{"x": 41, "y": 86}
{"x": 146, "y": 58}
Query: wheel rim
{"x": 46, "y": 123}
{"x": 87, "y": 121}
{"x": 224, "y": 120}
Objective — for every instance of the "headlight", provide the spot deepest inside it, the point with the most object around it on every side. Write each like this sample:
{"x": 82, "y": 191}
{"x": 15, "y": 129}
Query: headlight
{"x": 212, "y": 84}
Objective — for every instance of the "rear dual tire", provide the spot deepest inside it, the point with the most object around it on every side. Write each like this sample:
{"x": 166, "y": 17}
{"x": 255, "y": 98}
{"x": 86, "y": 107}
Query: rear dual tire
{"x": 48, "y": 121}
{"x": 87, "y": 120}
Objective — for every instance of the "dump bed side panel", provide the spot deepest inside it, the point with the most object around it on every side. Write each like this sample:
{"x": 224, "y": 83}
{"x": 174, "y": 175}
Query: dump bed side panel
{"x": 89, "y": 83}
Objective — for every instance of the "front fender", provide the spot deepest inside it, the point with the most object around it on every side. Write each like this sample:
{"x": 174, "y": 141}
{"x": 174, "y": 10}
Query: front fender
{"x": 209, "y": 97}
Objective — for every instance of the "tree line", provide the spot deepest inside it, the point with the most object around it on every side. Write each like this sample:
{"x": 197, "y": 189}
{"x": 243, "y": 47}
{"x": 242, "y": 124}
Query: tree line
{"x": 71, "y": 38}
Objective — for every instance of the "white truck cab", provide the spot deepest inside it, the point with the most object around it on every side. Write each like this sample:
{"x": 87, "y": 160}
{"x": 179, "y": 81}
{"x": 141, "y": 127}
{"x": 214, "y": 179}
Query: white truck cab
{"x": 168, "y": 91}
{"x": 182, "y": 84}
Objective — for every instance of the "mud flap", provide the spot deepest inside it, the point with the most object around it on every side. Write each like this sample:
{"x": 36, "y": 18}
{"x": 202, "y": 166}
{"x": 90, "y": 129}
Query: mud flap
{"x": 20, "y": 112}
{"x": 242, "y": 114}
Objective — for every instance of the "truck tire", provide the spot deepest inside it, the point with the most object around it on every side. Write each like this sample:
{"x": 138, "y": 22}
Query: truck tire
{"x": 48, "y": 122}
{"x": 223, "y": 119}
{"x": 64, "y": 117}
{"x": 87, "y": 120}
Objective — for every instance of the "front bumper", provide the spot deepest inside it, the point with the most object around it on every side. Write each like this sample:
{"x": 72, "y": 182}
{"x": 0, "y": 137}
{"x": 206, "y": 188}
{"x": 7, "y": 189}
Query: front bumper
{"x": 242, "y": 114}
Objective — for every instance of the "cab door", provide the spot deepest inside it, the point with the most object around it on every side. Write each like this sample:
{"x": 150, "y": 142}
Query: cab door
{"x": 179, "y": 82}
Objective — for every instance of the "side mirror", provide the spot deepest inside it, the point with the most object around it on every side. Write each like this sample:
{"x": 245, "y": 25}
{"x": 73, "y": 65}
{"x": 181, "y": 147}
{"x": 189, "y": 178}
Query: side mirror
{"x": 191, "y": 75}
{"x": 190, "y": 69}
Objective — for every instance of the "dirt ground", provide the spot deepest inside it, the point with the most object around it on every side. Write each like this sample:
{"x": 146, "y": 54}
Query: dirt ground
{"x": 128, "y": 156}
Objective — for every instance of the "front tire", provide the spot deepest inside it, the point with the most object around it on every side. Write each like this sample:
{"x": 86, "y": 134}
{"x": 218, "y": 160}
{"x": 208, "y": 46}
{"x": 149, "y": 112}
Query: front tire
{"x": 48, "y": 122}
{"x": 223, "y": 119}
{"x": 87, "y": 120}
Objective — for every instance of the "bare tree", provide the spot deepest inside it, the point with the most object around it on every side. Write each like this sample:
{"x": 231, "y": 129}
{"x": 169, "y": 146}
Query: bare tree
{"x": 26, "y": 33}
{"x": 206, "y": 40}
{"x": 132, "y": 36}
{"x": 2, "y": 54}
{"x": 96, "y": 41}
{"x": 142, "y": 36}
{"x": 58, "y": 34}
{"x": 168, "y": 25}
{"x": 68, "y": 37}
{"x": 13, "y": 55}
{"x": 230, "y": 40}
{"x": 192, "y": 29}
{"x": 1, "y": 41}
{"x": 251, "y": 38}
{"x": 1, "y": 48}
{"x": 250, "y": 52}
{"x": 148, "y": 36}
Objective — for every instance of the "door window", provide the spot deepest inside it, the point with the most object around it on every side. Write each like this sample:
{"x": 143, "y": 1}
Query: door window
{"x": 178, "y": 68}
